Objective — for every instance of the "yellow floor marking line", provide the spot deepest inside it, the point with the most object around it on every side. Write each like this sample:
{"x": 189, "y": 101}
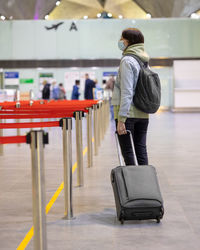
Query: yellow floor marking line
{"x": 26, "y": 240}
{"x": 30, "y": 234}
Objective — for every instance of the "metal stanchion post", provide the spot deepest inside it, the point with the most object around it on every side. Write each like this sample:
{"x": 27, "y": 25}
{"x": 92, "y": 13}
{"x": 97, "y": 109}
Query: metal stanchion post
{"x": 79, "y": 147}
{"x": 17, "y": 99}
{"x": 107, "y": 113}
{"x": 98, "y": 125}
{"x": 41, "y": 102}
{"x": 31, "y": 96}
{"x": 102, "y": 121}
{"x": 18, "y": 132}
{"x": 104, "y": 117}
{"x": 66, "y": 124}
{"x": 18, "y": 106}
{"x": 1, "y": 145}
{"x": 36, "y": 138}
{"x": 95, "y": 130}
{"x": 89, "y": 137}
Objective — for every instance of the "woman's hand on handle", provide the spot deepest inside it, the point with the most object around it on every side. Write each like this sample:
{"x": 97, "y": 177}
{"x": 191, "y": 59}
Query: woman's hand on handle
{"x": 121, "y": 129}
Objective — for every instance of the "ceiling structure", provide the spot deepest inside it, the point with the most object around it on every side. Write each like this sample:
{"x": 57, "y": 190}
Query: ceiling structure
{"x": 76, "y": 9}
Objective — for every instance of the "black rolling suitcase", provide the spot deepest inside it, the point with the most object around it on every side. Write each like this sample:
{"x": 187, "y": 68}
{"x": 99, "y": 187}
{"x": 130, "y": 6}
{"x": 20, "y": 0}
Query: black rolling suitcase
{"x": 136, "y": 190}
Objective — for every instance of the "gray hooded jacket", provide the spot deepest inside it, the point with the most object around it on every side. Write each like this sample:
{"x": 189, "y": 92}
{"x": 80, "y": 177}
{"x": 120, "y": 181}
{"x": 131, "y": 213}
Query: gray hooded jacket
{"x": 124, "y": 89}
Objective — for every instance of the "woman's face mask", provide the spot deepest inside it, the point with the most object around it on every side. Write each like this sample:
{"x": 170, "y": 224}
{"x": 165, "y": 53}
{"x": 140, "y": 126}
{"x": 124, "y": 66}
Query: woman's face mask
{"x": 121, "y": 45}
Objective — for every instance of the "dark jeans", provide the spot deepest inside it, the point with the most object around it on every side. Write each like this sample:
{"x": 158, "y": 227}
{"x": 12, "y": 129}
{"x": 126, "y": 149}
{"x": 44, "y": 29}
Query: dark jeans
{"x": 138, "y": 128}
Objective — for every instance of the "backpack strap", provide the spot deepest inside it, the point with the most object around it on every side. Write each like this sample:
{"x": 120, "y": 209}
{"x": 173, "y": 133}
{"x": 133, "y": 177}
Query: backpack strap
{"x": 141, "y": 63}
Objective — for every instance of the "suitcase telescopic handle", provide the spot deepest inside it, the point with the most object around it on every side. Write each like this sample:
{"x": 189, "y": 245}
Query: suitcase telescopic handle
{"x": 119, "y": 149}
{"x": 119, "y": 153}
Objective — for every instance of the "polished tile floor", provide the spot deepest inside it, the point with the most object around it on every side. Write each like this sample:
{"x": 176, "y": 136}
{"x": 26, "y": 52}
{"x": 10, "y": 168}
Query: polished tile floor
{"x": 174, "y": 149}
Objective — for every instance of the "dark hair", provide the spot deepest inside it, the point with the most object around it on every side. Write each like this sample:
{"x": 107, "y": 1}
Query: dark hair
{"x": 77, "y": 82}
{"x": 133, "y": 36}
{"x": 60, "y": 84}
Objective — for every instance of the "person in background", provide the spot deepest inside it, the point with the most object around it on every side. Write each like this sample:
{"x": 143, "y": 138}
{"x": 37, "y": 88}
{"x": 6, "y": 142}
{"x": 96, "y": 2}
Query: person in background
{"x": 62, "y": 92}
{"x": 89, "y": 85}
{"x": 110, "y": 83}
{"x": 104, "y": 83}
{"x": 46, "y": 90}
{"x": 127, "y": 116}
{"x": 97, "y": 91}
{"x": 75, "y": 91}
{"x": 55, "y": 91}
{"x": 109, "y": 88}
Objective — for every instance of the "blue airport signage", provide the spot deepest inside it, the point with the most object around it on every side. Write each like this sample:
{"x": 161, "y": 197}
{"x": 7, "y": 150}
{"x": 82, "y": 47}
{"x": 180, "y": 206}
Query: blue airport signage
{"x": 11, "y": 75}
{"x": 109, "y": 73}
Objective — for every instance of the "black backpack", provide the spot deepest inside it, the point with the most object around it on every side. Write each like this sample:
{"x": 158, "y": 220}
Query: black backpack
{"x": 148, "y": 90}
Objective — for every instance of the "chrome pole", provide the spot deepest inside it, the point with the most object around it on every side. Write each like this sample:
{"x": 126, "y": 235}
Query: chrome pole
{"x": 18, "y": 132}
{"x": 103, "y": 120}
{"x": 98, "y": 124}
{"x": 31, "y": 96}
{"x": 67, "y": 162}
{"x": 79, "y": 148}
{"x": 95, "y": 130}
{"x": 31, "y": 100}
{"x": 1, "y": 145}
{"x": 89, "y": 137}
{"x": 100, "y": 121}
{"x": 107, "y": 113}
{"x": 18, "y": 106}
{"x": 38, "y": 190}
{"x": 17, "y": 99}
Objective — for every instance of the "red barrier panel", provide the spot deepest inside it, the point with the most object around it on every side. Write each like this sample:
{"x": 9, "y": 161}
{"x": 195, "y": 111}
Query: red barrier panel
{"x": 37, "y": 116}
{"x": 29, "y": 125}
{"x": 51, "y": 109}
{"x": 73, "y": 105}
{"x": 39, "y": 109}
{"x": 12, "y": 139}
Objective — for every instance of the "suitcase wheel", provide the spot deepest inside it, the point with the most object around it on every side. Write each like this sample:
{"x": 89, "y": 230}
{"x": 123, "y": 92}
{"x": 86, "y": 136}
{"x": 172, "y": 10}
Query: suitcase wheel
{"x": 158, "y": 219}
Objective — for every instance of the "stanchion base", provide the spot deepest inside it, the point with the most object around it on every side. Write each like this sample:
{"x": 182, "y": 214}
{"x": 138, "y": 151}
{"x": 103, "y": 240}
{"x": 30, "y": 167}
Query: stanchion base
{"x": 68, "y": 218}
{"x": 78, "y": 186}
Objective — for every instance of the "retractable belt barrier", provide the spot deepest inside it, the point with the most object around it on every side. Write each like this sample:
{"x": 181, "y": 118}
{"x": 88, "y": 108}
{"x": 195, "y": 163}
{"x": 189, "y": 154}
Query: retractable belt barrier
{"x": 12, "y": 139}
{"x": 65, "y": 110}
{"x": 29, "y": 125}
{"x": 43, "y": 109}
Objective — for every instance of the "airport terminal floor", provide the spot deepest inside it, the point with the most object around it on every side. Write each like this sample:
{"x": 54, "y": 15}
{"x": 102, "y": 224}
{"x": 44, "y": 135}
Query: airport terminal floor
{"x": 173, "y": 147}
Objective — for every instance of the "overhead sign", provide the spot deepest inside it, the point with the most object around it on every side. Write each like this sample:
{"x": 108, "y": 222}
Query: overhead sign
{"x": 54, "y": 26}
{"x": 45, "y": 77}
{"x": 114, "y": 73}
{"x": 11, "y": 78}
{"x": 11, "y": 75}
{"x": 26, "y": 81}
{"x": 49, "y": 75}
{"x": 73, "y": 27}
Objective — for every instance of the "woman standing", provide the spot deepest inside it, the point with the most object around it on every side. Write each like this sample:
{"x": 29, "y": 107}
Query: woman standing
{"x": 126, "y": 115}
